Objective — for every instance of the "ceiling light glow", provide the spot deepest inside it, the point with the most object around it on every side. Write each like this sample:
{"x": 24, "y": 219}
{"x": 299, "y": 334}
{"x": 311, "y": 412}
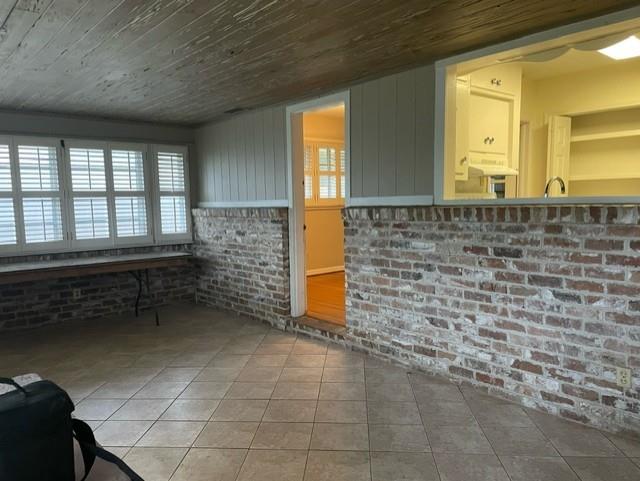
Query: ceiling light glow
{"x": 627, "y": 48}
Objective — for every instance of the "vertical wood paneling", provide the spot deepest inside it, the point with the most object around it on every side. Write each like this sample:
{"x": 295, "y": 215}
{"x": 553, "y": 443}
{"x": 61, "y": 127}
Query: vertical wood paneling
{"x": 406, "y": 132}
{"x": 388, "y": 107}
{"x": 392, "y": 135}
{"x": 243, "y": 159}
{"x": 356, "y": 141}
{"x": 370, "y": 137}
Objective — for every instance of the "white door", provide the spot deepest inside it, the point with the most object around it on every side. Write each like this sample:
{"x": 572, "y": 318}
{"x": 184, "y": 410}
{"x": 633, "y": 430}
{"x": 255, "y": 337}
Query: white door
{"x": 558, "y": 151}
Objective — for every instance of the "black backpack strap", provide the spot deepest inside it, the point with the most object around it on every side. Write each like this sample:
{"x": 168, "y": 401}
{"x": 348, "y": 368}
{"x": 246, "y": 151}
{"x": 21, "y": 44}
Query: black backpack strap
{"x": 90, "y": 450}
{"x": 11, "y": 382}
{"x": 87, "y": 441}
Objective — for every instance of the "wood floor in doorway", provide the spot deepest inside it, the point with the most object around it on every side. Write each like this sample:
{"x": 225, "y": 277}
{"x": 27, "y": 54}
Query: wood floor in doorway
{"x": 325, "y": 297}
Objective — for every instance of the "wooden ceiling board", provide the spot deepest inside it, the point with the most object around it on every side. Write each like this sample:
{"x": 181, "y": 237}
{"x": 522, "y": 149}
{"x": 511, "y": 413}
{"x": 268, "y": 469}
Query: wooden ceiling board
{"x": 189, "y": 61}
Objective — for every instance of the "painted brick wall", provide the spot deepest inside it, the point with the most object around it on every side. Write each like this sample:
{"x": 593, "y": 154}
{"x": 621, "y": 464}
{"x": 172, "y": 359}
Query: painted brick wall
{"x": 30, "y": 304}
{"x": 243, "y": 261}
{"x": 536, "y": 304}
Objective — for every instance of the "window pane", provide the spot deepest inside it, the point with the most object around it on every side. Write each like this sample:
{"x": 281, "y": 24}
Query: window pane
{"x": 87, "y": 170}
{"x": 328, "y": 187}
{"x": 131, "y": 216}
{"x": 342, "y": 160}
{"x": 5, "y": 170}
{"x": 173, "y": 215}
{"x": 171, "y": 172}
{"x": 128, "y": 170}
{"x": 327, "y": 159}
{"x": 342, "y": 186}
{"x": 308, "y": 158}
{"x": 38, "y": 168}
{"x": 7, "y": 222}
{"x": 42, "y": 219}
{"x": 91, "y": 217}
{"x": 308, "y": 187}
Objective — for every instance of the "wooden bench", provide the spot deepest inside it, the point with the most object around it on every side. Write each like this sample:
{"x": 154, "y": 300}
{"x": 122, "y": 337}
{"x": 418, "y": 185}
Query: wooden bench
{"x": 137, "y": 265}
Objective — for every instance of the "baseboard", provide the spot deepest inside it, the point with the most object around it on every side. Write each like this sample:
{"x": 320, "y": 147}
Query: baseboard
{"x": 324, "y": 270}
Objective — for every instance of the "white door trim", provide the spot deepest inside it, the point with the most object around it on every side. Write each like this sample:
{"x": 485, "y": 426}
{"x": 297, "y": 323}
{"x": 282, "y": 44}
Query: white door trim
{"x": 295, "y": 189}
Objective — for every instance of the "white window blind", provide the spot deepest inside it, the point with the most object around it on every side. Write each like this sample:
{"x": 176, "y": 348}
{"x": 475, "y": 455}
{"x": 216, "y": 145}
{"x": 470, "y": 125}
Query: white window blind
{"x": 89, "y": 187}
{"x": 7, "y": 209}
{"x": 41, "y": 195}
{"x": 172, "y": 187}
{"x": 324, "y": 170}
{"x": 129, "y": 192}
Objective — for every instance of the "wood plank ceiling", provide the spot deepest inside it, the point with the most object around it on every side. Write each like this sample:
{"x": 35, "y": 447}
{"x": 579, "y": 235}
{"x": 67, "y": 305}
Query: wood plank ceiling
{"x": 188, "y": 61}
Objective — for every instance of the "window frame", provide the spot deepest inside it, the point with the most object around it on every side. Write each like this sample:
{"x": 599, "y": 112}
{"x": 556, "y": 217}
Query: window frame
{"x": 65, "y": 193}
{"x": 170, "y": 238}
{"x": 339, "y": 146}
{"x": 499, "y": 50}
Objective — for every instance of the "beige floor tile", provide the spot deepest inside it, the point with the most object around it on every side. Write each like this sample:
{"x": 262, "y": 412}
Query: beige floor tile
{"x": 267, "y": 360}
{"x": 399, "y": 438}
{"x": 259, "y": 374}
{"x": 527, "y": 468}
{"x": 250, "y": 390}
{"x": 393, "y": 413}
{"x": 229, "y": 361}
{"x": 630, "y": 447}
{"x": 305, "y": 361}
{"x": 391, "y": 375}
{"x": 266, "y": 465}
{"x": 227, "y": 435}
{"x": 205, "y": 390}
{"x": 283, "y": 436}
{"x": 341, "y": 412}
{"x": 404, "y": 466}
{"x": 171, "y": 434}
{"x": 177, "y": 374}
{"x": 604, "y": 469}
{"x": 445, "y": 413}
{"x": 459, "y": 439}
{"x": 344, "y": 359}
{"x": 218, "y": 374}
{"x": 116, "y": 390}
{"x": 287, "y": 410}
{"x": 306, "y": 346}
{"x": 301, "y": 374}
{"x": 459, "y": 467}
{"x": 343, "y": 374}
{"x": 161, "y": 390}
{"x": 97, "y": 409}
{"x": 492, "y": 414}
{"x": 428, "y": 393}
{"x": 192, "y": 359}
{"x": 210, "y": 465}
{"x": 190, "y": 410}
{"x": 141, "y": 410}
{"x": 342, "y": 391}
{"x": 270, "y": 349}
{"x": 338, "y": 466}
{"x": 240, "y": 410}
{"x": 390, "y": 392}
{"x": 296, "y": 390}
{"x": 519, "y": 441}
{"x": 340, "y": 437}
{"x": 155, "y": 464}
{"x": 121, "y": 433}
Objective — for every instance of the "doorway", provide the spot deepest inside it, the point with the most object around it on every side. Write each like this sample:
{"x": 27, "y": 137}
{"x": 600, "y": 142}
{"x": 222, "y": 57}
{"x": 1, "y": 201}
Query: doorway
{"x": 318, "y": 160}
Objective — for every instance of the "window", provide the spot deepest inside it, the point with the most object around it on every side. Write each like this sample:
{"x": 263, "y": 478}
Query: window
{"x": 555, "y": 119}
{"x": 172, "y": 189}
{"x": 58, "y": 195}
{"x": 324, "y": 173}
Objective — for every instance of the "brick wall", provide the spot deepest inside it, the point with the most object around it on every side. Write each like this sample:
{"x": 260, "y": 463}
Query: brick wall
{"x": 536, "y": 304}
{"x": 35, "y": 303}
{"x": 243, "y": 261}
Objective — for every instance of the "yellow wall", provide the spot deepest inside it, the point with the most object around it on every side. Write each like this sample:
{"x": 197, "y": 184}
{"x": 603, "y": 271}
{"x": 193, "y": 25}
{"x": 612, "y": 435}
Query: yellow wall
{"x": 324, "y": 237}
{"x": 586, "y": 91}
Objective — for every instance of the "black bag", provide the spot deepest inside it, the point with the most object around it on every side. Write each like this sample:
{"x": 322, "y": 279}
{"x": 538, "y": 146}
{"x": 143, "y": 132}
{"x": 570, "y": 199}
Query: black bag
{"x": 36, "y": 433}
{"x": 38, "y": 437}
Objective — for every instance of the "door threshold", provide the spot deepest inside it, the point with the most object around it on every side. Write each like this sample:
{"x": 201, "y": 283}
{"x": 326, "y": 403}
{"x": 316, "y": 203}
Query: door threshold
{"x": 318, "y": 327}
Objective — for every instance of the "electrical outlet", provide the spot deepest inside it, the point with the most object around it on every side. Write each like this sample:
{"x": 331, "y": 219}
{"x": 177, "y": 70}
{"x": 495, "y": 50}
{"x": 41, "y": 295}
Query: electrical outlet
{"x": 77, "y": 293}
{"x": 623, "y": 377}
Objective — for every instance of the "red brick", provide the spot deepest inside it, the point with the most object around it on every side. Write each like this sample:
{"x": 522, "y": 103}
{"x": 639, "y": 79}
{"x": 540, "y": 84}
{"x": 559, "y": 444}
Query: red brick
{"x": 526, "y": 366}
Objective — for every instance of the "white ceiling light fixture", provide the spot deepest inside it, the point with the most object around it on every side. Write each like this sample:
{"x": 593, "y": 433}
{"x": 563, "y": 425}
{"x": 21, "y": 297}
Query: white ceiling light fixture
{"x": 627, "y": 48}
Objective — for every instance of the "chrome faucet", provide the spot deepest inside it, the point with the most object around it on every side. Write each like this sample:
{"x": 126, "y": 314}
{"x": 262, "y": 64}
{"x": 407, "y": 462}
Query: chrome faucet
{"x": 551, "y": 181}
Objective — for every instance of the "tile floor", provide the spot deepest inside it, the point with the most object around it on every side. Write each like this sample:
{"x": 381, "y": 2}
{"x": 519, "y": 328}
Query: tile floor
{"x": 210, "y": 396}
